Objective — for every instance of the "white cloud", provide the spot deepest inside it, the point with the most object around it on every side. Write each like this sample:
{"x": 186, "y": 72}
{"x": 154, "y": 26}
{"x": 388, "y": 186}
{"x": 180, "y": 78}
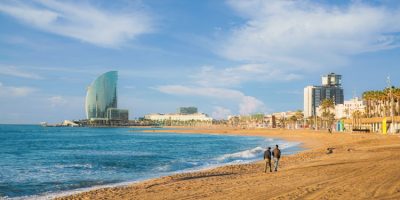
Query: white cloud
{"x": 13, "y": 71}
{"x": 80, "y": 21}
{"x": 221, "y": 112}
{"x": 308, "y": 35}
{"x": 12, "y": 91}
{"x": 247, "y": 104}
{"x": 212, "y": 76}
{"x": 57, "y": 101}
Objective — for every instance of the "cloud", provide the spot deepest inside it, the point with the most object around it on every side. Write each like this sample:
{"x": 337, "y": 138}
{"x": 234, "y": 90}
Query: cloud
{"x": 39, "y": 108}
{"x": 12, "y": 91}
{"x": 13, "y": 71}
{"x": 247, "y": 104}
{"x": 57, "y": 101}
{"x": 81, "y": 21}
{"x": 230, "y": 76}
{"x": 221, "y": 112}
{"x": 307, "y": 35}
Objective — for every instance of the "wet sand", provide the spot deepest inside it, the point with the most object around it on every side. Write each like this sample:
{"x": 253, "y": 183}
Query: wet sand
{"x": 362, "y": 166}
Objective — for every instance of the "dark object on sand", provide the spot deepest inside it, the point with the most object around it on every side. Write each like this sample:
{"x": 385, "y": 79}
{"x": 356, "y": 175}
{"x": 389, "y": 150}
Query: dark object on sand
{"x": 330, "y": 150}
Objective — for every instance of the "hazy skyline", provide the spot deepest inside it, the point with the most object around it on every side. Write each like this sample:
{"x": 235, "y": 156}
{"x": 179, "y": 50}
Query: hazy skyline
{"x": 224, "y": 57}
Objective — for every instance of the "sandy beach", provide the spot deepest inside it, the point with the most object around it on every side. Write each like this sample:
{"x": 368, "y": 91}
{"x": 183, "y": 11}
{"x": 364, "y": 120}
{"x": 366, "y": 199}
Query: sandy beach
{"x": 362, "y": 166}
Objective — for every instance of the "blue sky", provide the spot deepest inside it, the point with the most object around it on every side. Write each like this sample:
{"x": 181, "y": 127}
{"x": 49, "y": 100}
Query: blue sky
{"x": 225, "y": 57}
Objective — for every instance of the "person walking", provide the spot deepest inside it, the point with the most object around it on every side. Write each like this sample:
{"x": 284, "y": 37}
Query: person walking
{"x": 277, "y": 155}
{"x": 267, "y": 158}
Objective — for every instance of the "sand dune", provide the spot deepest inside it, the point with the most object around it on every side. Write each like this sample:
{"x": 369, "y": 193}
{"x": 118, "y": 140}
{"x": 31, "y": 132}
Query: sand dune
{"x": 362, "y": 166}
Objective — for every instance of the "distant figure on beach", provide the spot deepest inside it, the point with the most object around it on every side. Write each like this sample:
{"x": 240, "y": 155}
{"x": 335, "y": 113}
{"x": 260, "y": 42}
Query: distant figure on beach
{"x": 277, "y": 155}
{"x": 267, "y": 158}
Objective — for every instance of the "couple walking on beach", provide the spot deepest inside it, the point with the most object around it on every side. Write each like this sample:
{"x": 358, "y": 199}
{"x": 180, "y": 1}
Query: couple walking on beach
{"x": 276, "y": 153}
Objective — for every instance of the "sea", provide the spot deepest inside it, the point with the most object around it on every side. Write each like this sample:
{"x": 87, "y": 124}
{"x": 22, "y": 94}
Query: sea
{"x": 45, "y": 162}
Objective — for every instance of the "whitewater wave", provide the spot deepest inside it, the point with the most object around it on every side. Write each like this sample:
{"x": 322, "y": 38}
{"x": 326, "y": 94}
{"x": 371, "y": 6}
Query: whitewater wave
{"x": 288, "y": 145}
{"x": 178, "y": 165}
{"x": 53, "y": 195}
{"x": 256, "y": 152}
{"x": 247, "y": 154}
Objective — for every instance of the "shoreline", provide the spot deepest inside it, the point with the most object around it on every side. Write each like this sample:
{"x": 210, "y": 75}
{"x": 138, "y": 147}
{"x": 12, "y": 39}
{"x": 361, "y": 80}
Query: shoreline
{"x": 194, "y": 184}
{"x": 78, "y": 191}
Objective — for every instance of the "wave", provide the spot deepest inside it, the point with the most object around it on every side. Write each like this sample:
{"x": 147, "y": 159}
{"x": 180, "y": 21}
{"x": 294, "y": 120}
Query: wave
{"x": 247, "y": 154}
{"x": 53, "y": 195}
{"x": 179, "y": 166}
{"x": 76, "y": 166}
{"x": 257, "y": 152}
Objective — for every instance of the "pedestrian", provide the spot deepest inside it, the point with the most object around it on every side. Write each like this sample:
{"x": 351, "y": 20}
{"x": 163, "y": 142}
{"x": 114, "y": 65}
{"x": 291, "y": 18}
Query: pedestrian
{"x": 267, "y": 158}
{"x": 277, "y": 155}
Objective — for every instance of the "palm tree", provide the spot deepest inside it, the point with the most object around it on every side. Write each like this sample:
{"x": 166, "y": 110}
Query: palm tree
{"x": 380, "y": 103}
{"x": 327, "y": 115}
{"x": 356, "y": 119}
{"x": 300, "y": 116}
{"x": 293, "y": 120}
{"x": 282, "y": 122}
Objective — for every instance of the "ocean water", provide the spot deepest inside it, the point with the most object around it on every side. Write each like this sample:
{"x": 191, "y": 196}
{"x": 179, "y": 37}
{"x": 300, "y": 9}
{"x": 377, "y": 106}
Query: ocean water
{"x": 38, "y": 162}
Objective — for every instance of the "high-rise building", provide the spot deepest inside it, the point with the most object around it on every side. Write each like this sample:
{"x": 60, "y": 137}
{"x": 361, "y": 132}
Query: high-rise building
{"x": 332, "y": 79}
{"x": 331, "y": 89}
{"x": 101, "y": 95}
{"x": 187, "y": 110}
{"x": 309, "y": 93}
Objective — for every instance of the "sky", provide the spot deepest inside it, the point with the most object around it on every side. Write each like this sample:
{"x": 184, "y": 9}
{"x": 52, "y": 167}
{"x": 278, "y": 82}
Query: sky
{"x": 224, "y": 57}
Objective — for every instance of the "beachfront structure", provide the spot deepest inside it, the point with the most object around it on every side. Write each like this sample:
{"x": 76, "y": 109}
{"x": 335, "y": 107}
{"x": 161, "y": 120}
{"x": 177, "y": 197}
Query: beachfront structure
{"x": 247, "y": 121}
{"x": 179, "y": 117}
{"x": 349, "y": 107}
{"x": 331, "y": 88}
{"x": 101, "y": 100}
{"x": 381, "y": 113}
{"x": 187, "y": 110}
{"x": 118, "y": 114}
{"x": 288, "y": 119}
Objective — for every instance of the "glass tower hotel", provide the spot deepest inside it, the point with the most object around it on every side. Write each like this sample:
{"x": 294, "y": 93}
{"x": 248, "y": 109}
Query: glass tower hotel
{"x": 101, "y": 101}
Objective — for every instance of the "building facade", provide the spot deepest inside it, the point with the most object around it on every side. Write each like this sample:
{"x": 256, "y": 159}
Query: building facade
{"x": 178, "y": 117}
{"x": 331, "y": 88}
{"x": 347, "y": 109}
{"x": 309, "y": 104}
{"x": 118, "y": 114}
{"x": 187, "y": 110}
{"x": 101, "y": 95}
{"x": 101, "y": 100}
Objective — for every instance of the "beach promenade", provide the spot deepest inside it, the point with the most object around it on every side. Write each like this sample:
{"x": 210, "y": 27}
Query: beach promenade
{"x": 362, "y": 166}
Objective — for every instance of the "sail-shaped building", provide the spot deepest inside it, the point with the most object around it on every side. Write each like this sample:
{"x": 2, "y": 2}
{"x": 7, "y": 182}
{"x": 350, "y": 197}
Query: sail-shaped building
{"x": 101, "y": 99}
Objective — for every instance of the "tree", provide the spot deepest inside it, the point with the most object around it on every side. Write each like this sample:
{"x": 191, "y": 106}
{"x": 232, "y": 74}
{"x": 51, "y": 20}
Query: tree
{"x": 300, "y": 116}
{"x": 382, "y": 103}
{"x": 329, "y": 117}
{"x": 282, "y": 121}
{"x": 293, "y": 120}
